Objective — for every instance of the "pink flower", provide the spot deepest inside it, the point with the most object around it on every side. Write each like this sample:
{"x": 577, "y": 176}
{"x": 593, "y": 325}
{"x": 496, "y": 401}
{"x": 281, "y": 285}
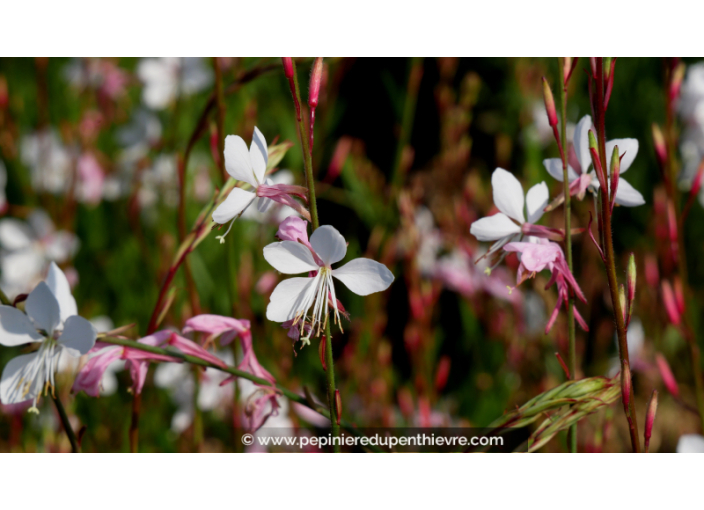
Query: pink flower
{"x": 541, "y": 255}
{"x": 217, "y": 326}
{"x": 91, "y": 177}
{"x": 259, "y": 407}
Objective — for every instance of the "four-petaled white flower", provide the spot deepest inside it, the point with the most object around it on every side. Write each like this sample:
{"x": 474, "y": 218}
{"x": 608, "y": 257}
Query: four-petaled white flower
{"x": 292, "y": 298}
{"x": 249, "y": 166}
{"x": 581, "y": 179}
{"x": 51, "y": 319}
{"x": 510, "y": 224}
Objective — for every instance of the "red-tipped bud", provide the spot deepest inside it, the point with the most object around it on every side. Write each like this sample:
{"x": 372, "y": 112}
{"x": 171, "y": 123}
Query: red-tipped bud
{"x": 568, "y": 65}
{"x": 607, "y": 67}
{"x": 626, "y": 386}
{"x": 598, "y": 168}
{"x": 676, "y": 82}
{"x": 668, "y": 298}
{"x": 4, "y": 96}
{"x": 652, "y": 273}
{"x": 631, "y": 281}
{"x": 288, "y": 67}
{"x": 338, "y": 405}
{"x": 650, "y": 418}
{"x": 679, "y": 294}
{"x": 549, "y": 103}
{"x": 321, "y": 352}
{"x": 615, "y": 174}
{"x": 660, "y": 146}
{"x": 442, "y": 373}
{"x": 624, "y": 303}
{"x": 668, "y": 378}
{"x": 592, "y": 63}
{"x": 316, "y": 77}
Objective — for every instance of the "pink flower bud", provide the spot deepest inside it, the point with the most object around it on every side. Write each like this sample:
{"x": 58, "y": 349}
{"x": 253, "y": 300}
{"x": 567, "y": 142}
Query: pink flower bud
{"x": 679, "y": 294}
{"x": 338, "y": 405}
{"x": 668, "y": 378}
{"x": 631, "y": 278}
{"x": 650, "y": 418}
{"x": 3, "y": 93}
{"x": 652, "y": 274}
{"x": 676, "y": 82}
{"x": 321, "y": 352}
{"x": 316, "y": 77}
{"x": 623, "y": 302}
{"x": 549, "y": 103}
{"x": 288, "y": 67}
{"x": 626, "y": 386}
{"x": 660, "y": 146}
{"x": 668, "y": 298}
{"x": 442, "y": 373}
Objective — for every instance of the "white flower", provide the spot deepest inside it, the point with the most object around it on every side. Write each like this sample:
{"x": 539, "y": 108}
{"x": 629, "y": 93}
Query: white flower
{"x": 164, "y": 78}
{"x": 273, "y": 214}
{"x": 249, "y": 166}
{"x": 49, "y": 161}
{"x": 51, "y": 319}
{"x": 508, "y": 224}
{"x": 690, "y": 443}
{"x": 581, "y": 179}
{"x": 27, "y": 249}
{"x": 292, "y": 298}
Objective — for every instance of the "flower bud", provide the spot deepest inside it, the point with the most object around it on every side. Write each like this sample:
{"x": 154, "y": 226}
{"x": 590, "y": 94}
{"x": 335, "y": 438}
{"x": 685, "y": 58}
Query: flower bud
{"x": 566, "y": 68}
{"x": 625, "y": 386}
{"x": 316, "y": 77}
{"x": 679, "y": 294}
{"x": 442, "y": 373}
{"x": 594, "y": 151}
{"x": 652, "y": 273}
{"x": 321, "y": 352}
{"x": 668, "y": 378}
{"x": 676, "y": 82}
{"x": 631, "y": 278}
{"x": 592, "y": 63}
{"x": 668, "y": 298}
{"x": 338, "y": 405}
{"x": 650, "y": 418}
{"x": 697, "y": 181}
{"x": 3, "y": 93}
{"x": 288, "y": 67}
{"x": 660, "y": 146}
{"x": 622, "y": 300}
{"x": 549, "y": 103}
{"x": 615, "y": 171}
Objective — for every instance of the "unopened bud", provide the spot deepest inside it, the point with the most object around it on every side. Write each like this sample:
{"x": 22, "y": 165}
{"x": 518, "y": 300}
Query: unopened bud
{"x": 652, "y": 273}
{"x": 679, "y": 294}
{"x": 4, "y": 96}
{"x": 288, "y": 67}
{"x": 624, "y": 303}
{"x": 549, "y": 103}
{"x": 676, "y": 82}
{"x": 566, "y": 68}
{"x": 321, "y": 351}
{"x": 631, "y": 280}
{"x": 442, "y": 374}
{"x": 592, "y": 63}
{"x": 594, "y": 151}
{"x": 668, "y": 378}
{"x": 338, "y": 406}
{"x": 607, "y": 67}
{"x": 697, "y": 181}
{"x": 615, "y": 171}
{"x": 660, "y": 146}
{"x": 650, "y": 418}
{"x": 668, "y": 298}
{"x": 626, "y": 386}
{"x": 316, "y": 77}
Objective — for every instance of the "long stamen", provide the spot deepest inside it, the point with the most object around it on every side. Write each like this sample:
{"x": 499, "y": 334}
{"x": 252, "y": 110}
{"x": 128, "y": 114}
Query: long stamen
{"x": 222, "y": 237}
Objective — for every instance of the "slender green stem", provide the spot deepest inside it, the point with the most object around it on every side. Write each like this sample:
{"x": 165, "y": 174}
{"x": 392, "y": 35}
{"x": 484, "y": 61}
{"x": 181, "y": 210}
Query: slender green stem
{"x": 610, "y": 263}
{"x": 415, "y": 73}
{"x": 313, "y": 206}
{"x": 75, "y": 448}
{"x": 572, "y": 353}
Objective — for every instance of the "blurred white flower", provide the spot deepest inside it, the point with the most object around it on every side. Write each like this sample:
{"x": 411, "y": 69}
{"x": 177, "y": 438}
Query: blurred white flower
{"x": 26, "y": 248}
{"x": 165, "y": 78}
{"x": 49, "y": 161}
{"x": 690, "y": 443}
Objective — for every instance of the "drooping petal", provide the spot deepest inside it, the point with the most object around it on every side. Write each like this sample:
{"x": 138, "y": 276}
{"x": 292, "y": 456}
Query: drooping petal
{"x": 536, "y": 201}
{"x": 493, "y": 227}
{"x": 288, "y": 298}
{"x": 59, "y": 286}
{"x": 90, "y": 377}
{"x": 236, "y": 202}
{"x": 508, "y": 194}
{"x": 364, "y": 276}
{"x": 258, "y": 154}
{"x": 17, "y": 384}
{"x": 290, "y": 258}
{"x": 627, "y": 195}
{"x": 237, "y": 161}
{"x": 329, "y": 244}
{"x": 191, "y": 348}
{"x": 627, "y": 147}
{"x": 554, "y": 168}
{"x": 294, "y": 229}
{"x": 581, "y": 142}
{"x": 16, "y": 328}
{"x": 215, "y": 325}
{"x": 43, "y": 308}
{"x": 78, "y": 336}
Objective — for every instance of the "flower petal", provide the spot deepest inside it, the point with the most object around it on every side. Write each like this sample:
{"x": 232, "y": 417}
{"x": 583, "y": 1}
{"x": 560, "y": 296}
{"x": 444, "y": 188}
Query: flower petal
{"x": 627, "y": 148}
{"x": 627, "y": 195}
{"x": 554, "y": 168}
{"x": 15, "y": 387}
{"x": 508, "y": 194}
{"x": 258, "y": 154}
{"x": 288, "y": 298}
{"x": 236, "y": 202}
{"x": 43, "y": 308}
{"x": 690, "y": 443}
{"x": 16, "y": 328}
{"x": 581, "y": 142}
{"x": 493, "y": 227}
{"x": 290, "y": 258}
{"x": 536, "y": 201}
{"x": 364, "y": 276}
{"x": 78, "y": 336}
{"x": 329, "y": 244}
{"x": 14, "y": 234}
{"x": 59, "y": 286}
{"x": 237, "y": 161}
